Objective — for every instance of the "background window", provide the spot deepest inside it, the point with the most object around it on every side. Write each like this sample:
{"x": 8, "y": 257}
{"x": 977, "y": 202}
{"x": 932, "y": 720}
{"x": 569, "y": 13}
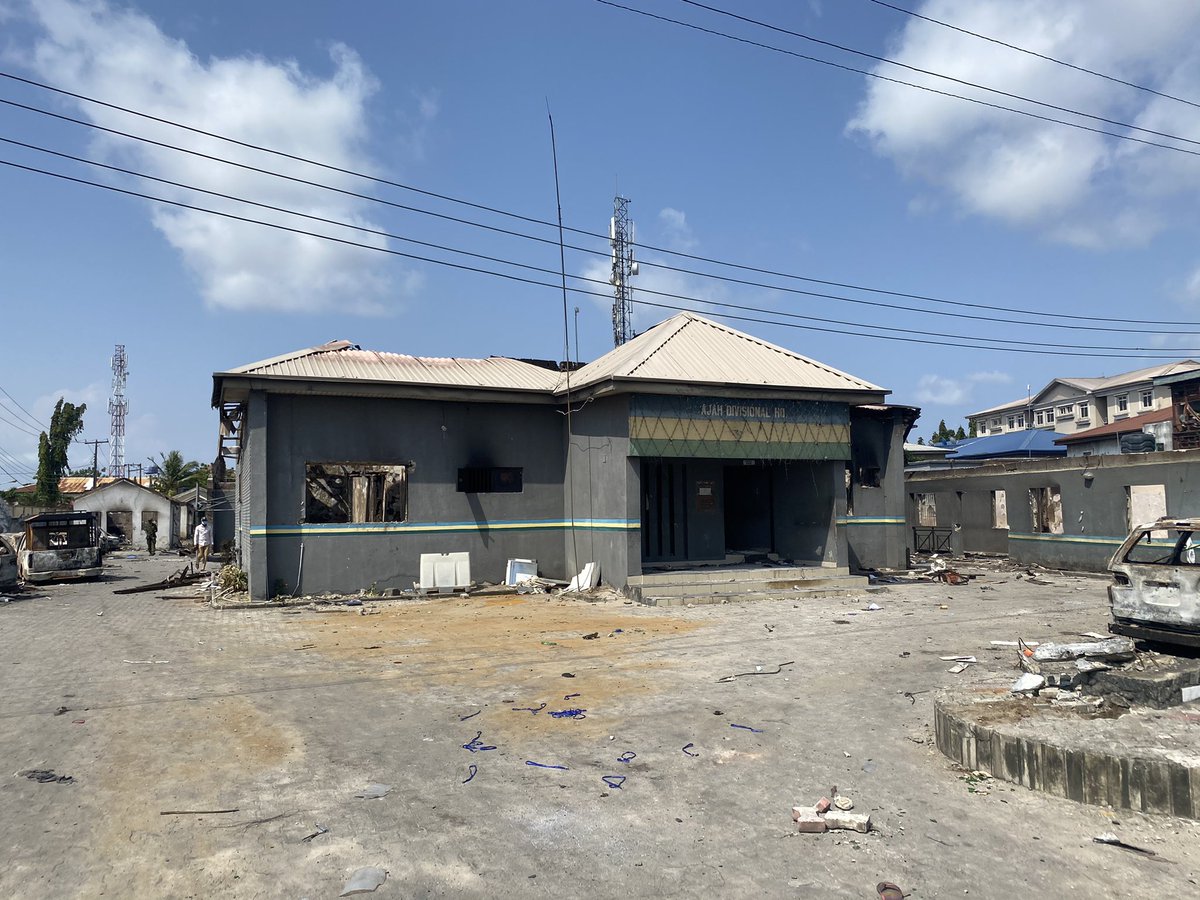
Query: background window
{"x": 926, "y": 510}
{"x": 999, "y": 509}
{"x": 1083, "y": 410}
{"x": 1147, "y": 399}
{"x": 490, "y": 480}
{"x": 1122, "y": 402}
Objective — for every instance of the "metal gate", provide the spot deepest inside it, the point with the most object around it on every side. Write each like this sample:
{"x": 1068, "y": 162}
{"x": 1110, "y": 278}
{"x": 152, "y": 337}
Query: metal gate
{"x": 931, "y": 539}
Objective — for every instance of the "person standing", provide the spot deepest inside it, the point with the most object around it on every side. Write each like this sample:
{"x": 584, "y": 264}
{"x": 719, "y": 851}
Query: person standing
{"x": 150, "y": 527}
{"x": 203, "y": 541}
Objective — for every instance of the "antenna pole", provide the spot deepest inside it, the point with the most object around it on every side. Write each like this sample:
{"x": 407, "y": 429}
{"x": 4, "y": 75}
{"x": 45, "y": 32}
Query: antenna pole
{"x": 620, "y": 233}
{"x": 118, "y": 407}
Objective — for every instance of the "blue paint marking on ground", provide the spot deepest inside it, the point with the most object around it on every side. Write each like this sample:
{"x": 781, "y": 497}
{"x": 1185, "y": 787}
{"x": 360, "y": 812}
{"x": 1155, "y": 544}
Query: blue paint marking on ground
{"x": 687, "y": 748}
{"x": 627, "y": 756}
{"x": 474, "y": 770}
{"x": 530, "y": 762}
{"x": 569, "y": 714}
{"x": 613, "y": 781}
{"x": 746, "y": 728}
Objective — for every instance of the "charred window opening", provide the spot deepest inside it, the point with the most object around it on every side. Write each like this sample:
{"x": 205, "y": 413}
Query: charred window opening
{"x": 1045, "y": 510}
{"x": 868, "y": 476}
{"x": 926, "y": 509}
{"x": 490, "y": 480}
{"x": 999, "y": 509}
{"x": 355, "y": 492}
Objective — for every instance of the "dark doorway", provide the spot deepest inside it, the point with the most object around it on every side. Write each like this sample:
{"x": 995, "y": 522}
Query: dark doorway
{"x": 119, "y": 523}
{"x": 664, "y": 510}
{"x": 749, "y": 519}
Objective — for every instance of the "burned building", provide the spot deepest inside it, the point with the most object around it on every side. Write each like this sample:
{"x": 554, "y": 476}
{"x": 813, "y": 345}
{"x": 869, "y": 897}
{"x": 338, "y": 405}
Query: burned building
{"x": 692, "y": 444}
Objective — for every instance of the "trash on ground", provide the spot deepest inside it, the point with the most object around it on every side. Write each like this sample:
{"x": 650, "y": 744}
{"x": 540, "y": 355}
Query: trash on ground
{"x": 471, "y": 716}
{"x": 746, "y": 728}
{"x": 872, "y": 607}
{"x": 613, "y": 781}
{"x": 837, "y": 820}
{"x": 889, "y": 891}
{"x": 519, "y": 570}
{"x": 198, "y": 812}
{"x": 1014, "y": 644}
{"x": 591, "y": 637}
{"x": 568, "y": 674}
{"x": 568, "y": 714}
{"x": 845, "y": 804}
{"x": 758, "y": 671}
{"x": 1113, "y": 841}
{"x": 966, "y": 659}
{"x": 627, "y": 756}
{"x": 529, "y": 709}
{"x": 472, "y": 771}
{"x": 538, "y": 765}
{"x": 475, "y": 745}
{"x": 374, "y": 791}
{"x": 364, "y": 881}
{"x": 586, "y": 580}
{"x": 687, "y": 748}
{"x": 959, "y": 668}
{"x": 321, "y": 829}
{"x": 47, "y": 776}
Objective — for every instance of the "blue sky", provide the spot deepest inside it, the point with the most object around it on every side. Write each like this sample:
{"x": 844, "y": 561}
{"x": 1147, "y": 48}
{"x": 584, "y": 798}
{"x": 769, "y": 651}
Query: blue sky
{"x": 726, "y": 150}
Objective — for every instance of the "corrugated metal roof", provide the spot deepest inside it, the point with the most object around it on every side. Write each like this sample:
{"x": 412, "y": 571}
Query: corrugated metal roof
{"x": 1121, "y": 426}
{"x": 1013, "y": 443}
{"x": 690, "y": 348}
{"x": 343, "y": 361}
{"x": 1097, "y": 385}
{"x": 80, "y": 484}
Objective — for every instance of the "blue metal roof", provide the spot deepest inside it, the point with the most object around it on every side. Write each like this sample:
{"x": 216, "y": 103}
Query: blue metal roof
{"x": 1033, "y": 442}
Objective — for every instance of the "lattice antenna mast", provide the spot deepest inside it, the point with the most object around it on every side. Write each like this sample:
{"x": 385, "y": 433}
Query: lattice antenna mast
{"x": 621, "y": 238}
{"x": 118, "y": 407}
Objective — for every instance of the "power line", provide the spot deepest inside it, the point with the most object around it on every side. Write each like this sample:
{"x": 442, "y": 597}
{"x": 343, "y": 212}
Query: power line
{"x": 977, "y": 342}
{"x": 1025, "y": 50}
{"x": 972, "y": 84}
{"x": 507, "y": 213}
{"x": 920, "y": 87}
{"x": 20, "y": 427}
{"x": 543, "y": 270}
{"x": 33, "y": 419}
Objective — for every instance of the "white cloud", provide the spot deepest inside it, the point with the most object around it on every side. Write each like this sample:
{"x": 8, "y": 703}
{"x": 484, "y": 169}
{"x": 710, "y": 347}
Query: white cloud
{"x": 1073, "y": 186}
{"x": 122, "y": 57}
{"x": 937, "y": 390}
{"x": 676, "y": 232}
{"x": 990, "y": 377}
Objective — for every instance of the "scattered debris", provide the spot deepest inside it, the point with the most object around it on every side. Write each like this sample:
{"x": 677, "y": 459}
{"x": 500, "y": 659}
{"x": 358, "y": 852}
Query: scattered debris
{"x": 178, "y": 579}
{"x": 46, "y": 776}
{"x": 519, "y": 570}
{"x": 321, "y": 829}
{"x": 529, "y": 709}
{"x": 364, "y": 881}
{"x": 472, "y": 771}
{"x": 746, "y": 728}
{"x": 613, "y": 781}
{"x": 966, "y": 659}
{"x": 627, "y": 756}
{"x": 843, "y": 803}
{"x": 1014, "y": 644}
{"x": 1115, "y": 649}
{"x": 530, "y": 762}
{"x": 836, "y": 820}
{"x": 687, "y": 748}
{"x": 568, "y": 714}
{"x": 808, "y": 822}
{"x": 1113, "y": 841}
{"x": 471, "y": 716}
{"x": 198, "y": 812}
{"x": 872, "y": 607}
{"x": 475, "y": 745}
{"x": 592, "y": 636}
{"x": 374, "y": 791}
{"x": 146, "y": 662}
{"x": 62, "y": 710}
{"x": 959, "y": 668}
{"x": 568, "y": 674}
{"x": 1028, "y": 683}
{"x": 588, "y": 578}
{"x": 572, "y": 696}
{"x": 889, "y": 891}
{"x": 822, "y": 805}
{"x": 759, "y": 671}
{"x": 912, "y": 696}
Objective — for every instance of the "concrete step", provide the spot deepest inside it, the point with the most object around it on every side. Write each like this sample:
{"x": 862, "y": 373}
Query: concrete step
{"x": 841, "y": 582}
{"x": 753, "y": 574}
{"x": 821, "y": 593}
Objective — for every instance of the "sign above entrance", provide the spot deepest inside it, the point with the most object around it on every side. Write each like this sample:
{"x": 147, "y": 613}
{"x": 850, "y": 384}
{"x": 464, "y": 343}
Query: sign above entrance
{"x": 731, "y": 428}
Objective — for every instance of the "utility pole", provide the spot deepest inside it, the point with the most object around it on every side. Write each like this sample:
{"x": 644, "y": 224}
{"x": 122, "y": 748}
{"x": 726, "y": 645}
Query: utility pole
{"x": 621, "y": 238}
{"x": 95, "y": 459}
{"x": 118, "y": 406}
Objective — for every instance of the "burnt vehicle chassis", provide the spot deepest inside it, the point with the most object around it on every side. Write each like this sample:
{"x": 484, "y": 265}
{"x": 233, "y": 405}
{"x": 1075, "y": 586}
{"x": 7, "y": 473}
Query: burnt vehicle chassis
{"x": 1155, "y": 593}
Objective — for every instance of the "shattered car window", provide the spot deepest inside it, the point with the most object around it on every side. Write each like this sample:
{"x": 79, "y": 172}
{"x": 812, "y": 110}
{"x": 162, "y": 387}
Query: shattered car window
{"x": 1165, "y": 548}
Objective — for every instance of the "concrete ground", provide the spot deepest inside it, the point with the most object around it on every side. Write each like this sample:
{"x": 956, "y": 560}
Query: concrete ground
{"x": 285, "y": 715}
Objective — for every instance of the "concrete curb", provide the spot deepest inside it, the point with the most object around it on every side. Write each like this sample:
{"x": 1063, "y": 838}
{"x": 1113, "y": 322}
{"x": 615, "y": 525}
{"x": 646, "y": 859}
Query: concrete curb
{"x": 1085, "y": 775}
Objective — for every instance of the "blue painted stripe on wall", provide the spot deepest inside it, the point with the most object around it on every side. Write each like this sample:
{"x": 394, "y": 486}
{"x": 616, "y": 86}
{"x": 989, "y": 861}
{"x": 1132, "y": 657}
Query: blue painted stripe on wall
{"x": 1068, "y": 538}
{"x": 870, "y": 520}
{"x": 441, "y": 527}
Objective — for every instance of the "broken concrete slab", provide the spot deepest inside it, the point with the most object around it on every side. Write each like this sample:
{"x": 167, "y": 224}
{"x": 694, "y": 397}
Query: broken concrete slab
{"x": 837, "y": 820}
{"x": 1114, "y": 649}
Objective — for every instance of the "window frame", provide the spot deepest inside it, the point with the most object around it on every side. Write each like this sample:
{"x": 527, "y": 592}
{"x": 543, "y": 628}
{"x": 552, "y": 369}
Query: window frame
{"x": 379, "y": 488}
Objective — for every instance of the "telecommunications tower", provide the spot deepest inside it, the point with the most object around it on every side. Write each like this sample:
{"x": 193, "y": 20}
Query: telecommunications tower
{"x": 621, "y": 237}
{"x": 118, "y": 406}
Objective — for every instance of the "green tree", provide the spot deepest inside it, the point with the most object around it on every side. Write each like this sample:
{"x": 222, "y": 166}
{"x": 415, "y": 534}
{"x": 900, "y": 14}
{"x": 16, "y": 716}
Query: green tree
{"x": 972, "y": 432}
{"x": 960, "y": 435}
{"x": 65, "y": 425}
{"x": 175, "y": 475}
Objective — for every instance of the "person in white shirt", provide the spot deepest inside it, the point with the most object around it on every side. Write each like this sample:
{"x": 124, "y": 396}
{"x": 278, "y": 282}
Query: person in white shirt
{"x": 203, "y": 541}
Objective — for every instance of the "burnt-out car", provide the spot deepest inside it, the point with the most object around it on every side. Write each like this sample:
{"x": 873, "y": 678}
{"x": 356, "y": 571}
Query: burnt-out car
{"x": 60, "y": 545}
{"x": 1155, "y": 593}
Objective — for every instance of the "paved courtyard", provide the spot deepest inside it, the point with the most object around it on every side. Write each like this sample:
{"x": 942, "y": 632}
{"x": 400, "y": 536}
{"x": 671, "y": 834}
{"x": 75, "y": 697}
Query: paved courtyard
{"x": 284, "y": 715}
